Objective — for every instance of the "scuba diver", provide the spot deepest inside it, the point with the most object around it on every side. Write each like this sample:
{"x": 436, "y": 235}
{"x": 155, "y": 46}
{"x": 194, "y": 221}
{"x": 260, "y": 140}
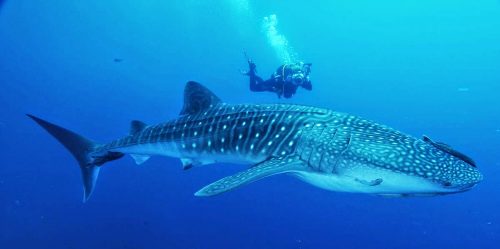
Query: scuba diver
{"x": 284, "y": 82}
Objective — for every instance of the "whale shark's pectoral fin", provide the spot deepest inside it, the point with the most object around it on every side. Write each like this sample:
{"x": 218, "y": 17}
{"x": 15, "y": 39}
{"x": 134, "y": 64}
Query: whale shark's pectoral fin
{"x": 267, "y": 168}
{"x": 375, "y": 182}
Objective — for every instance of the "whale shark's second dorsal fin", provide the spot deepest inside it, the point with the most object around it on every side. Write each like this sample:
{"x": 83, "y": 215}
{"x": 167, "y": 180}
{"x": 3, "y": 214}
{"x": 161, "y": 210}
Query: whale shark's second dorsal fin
{"x": 198, "y": 98}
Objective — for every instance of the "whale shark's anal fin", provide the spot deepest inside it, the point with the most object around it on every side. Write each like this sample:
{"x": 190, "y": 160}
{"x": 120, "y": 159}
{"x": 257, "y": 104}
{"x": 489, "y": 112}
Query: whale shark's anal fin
{"x": 188, "y": 163}
{"x": 264, "y": 169}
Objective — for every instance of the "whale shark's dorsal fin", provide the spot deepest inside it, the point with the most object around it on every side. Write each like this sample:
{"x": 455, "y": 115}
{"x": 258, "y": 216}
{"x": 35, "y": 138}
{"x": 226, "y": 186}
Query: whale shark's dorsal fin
{"x": 448, "y": 149}
{"x": 137, "y": 126}
{"x": 272, "y": 166}
{"x": 198, "y": 98}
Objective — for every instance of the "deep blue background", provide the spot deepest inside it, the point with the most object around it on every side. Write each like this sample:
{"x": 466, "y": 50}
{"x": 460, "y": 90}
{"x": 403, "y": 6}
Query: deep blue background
{"x": 424, "y": 67}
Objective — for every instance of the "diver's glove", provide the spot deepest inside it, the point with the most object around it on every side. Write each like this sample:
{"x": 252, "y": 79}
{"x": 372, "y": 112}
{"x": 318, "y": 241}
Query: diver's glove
{"x": 251, "y": 68}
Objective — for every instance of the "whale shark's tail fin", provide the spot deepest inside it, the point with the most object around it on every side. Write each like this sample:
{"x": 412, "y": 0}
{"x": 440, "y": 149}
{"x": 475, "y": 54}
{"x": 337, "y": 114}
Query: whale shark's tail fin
{"x": 81, "y": 148}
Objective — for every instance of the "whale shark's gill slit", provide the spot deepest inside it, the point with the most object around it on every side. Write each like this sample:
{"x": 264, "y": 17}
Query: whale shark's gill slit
{"x": 348, "y": 142}
{"x": 288, "y": 142}
{"x": 313, "y": 141}
{"x": 287, "y": 129}
{"x": 265, "y": 131}
{"x": 252, "y": 131}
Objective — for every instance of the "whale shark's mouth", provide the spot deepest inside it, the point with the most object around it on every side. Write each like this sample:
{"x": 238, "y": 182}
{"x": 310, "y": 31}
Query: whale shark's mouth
{"x": 411, "y": 195}
{"x": 461, "y": 188}
{"x": 431, "y": 194}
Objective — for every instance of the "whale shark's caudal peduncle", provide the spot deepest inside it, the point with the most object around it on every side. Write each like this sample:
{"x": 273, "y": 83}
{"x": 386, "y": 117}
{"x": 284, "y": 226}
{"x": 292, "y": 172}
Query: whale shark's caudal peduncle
{"x": 331, "y": 150}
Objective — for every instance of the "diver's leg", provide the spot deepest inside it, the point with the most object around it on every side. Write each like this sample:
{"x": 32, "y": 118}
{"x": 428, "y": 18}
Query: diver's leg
{"x": 257, "y": 84}
{"x": 289, "y": 90}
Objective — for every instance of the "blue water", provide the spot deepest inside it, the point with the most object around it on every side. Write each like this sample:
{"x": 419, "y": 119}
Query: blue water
{"x": 424, "y": 67}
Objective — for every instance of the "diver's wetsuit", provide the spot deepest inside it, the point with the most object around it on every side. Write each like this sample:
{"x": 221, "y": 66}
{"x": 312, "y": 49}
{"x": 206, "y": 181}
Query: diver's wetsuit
{"x": 280, "y": 82}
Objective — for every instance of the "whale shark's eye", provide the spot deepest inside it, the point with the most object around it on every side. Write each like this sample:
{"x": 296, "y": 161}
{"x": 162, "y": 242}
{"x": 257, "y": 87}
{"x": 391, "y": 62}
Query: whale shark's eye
{"x": 447, "y": 184}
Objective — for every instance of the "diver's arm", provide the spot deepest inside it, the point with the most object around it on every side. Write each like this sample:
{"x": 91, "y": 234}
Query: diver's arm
{"x": 307, "y": 85}
{"x": 257, "y": 84}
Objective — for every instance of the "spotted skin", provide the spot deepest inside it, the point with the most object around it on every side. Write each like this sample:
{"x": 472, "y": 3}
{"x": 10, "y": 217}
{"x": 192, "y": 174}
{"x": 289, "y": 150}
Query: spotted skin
{"x": 250, "y": 133}
{"x": 355, "y": 140}
{"x": 331, "y": 150}
{"x": 324, "y": 141}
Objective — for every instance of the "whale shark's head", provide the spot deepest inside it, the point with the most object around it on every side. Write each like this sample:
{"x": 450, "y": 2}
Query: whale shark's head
{"x": 437, "y": 169}
{"x": 387, "y": 163}
{"x": 382, "y": 161}
{"x": 461, "y": 177}
{"x": 451, "y": 172}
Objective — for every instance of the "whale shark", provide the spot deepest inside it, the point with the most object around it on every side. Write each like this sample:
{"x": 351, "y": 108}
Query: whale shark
{"x": 328, "y": 149}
